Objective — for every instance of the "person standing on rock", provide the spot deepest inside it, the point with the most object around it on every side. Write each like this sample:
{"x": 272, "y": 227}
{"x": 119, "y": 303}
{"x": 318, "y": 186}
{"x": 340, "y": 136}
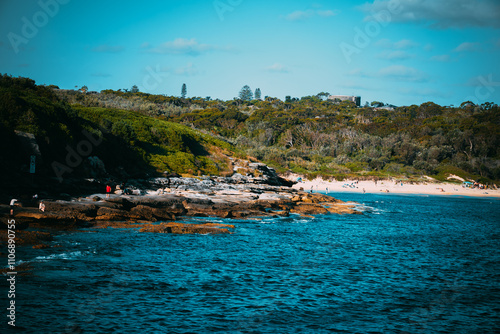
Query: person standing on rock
{"x": 12, "y": 205}
{"x": 108, "y": 190}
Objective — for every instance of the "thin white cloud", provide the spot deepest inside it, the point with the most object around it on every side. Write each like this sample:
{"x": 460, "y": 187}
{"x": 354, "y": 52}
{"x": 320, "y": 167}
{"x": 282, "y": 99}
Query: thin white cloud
{"x": 183, "y": 46}
{"x": 145, "y": 45}
{"x": 467, "y": 47}
{"x": 396, "y": 55}
{"x": 105, "y": 48}
{"x": 188, "y": 70}
{"x": 441, "y": 58}
{"x": 402, "y": 73}
{"x": 326, "y": 13}
{"x": 300, "y": 15}
{"x": 439, "y": 14}
{"x": 403, "y": 44}
{"x": 429, "y": 47}
{"x": 278, "y": 68}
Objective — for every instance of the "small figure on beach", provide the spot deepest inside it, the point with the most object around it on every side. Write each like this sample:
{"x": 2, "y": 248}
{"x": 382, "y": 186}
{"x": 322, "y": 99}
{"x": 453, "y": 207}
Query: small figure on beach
{"x": 12, "y": 204}
{"x": 311, "y": 189}
{"x": 327, "y": 190}
{"x": 41, "y": 206}
{"x": 364, "y": 191}
{"x": 108, "y": 190}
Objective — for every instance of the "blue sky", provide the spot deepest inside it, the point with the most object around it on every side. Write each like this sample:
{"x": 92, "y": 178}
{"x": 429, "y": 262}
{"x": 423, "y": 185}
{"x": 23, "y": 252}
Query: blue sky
{"x": 401, "y": 52}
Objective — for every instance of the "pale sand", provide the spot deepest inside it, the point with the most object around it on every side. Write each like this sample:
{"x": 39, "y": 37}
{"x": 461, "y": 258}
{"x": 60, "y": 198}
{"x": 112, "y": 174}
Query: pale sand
{"x": 388, "y": 186}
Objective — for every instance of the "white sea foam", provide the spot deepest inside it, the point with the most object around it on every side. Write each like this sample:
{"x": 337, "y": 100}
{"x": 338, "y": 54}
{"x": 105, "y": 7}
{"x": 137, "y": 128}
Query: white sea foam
{"x": 63, "y": 256}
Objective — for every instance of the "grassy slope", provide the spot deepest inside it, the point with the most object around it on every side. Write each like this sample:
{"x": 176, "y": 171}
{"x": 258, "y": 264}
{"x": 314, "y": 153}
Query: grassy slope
{"x": 166, "y": 146}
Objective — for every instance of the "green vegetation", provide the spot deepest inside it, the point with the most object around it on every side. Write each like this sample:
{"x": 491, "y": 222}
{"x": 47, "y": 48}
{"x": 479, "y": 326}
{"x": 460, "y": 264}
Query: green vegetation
{"x": 257, "y": 94}
{"x": 129, "y": 143}
{"x": 246, "y": 93}
{"x": 164, "y": 145}
{"x": 311, "y": 135}
{"x": 183, "y": 91}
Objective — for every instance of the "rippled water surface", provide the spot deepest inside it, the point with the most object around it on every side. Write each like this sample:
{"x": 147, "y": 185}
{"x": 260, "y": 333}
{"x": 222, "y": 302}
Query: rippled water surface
{"x": 408, "y": 264}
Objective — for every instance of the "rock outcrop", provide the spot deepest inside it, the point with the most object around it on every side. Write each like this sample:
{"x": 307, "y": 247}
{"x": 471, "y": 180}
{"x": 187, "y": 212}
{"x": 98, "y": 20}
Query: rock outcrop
{"x": 191, "y": 197}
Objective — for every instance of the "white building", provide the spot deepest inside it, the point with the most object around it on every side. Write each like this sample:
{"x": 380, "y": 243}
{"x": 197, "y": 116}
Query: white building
{"x": 355, "y": 99}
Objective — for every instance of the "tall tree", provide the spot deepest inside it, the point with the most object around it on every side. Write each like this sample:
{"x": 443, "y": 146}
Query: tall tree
{"x": 134, "y": 89}
{"x": 183, "y": 91}
{"x": 257, "y": 94}
{"x": 323, "y": 95}
{"x": 246, "y": 93}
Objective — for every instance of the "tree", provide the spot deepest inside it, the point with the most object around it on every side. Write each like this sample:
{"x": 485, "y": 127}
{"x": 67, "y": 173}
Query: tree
{"x": 323, "y": 95}
{"x": 246, "y": 93}
{"x": 183, "y": 91}
{"x": 134, "y": 89}
{"x": 257, "y": 94}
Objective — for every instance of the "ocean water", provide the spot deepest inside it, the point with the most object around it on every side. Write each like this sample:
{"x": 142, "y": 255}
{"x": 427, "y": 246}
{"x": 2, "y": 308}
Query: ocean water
{"x": 408, "y": 264}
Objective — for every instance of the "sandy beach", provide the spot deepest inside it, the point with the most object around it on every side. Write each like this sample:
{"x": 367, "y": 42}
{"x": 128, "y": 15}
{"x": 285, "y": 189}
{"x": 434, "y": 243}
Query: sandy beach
{"x": 388, "y": 186}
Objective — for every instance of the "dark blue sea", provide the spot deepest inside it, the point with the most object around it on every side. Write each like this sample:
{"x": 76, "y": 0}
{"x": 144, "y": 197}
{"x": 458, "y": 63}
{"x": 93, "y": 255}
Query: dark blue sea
{"x": 408, "y": 264}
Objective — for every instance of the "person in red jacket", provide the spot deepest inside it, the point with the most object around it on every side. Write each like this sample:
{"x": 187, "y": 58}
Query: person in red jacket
{"x": 108, "y": 190}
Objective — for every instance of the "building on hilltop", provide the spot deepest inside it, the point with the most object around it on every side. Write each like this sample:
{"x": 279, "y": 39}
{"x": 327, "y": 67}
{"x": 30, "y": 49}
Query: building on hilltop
{"x": 355, "y": 99}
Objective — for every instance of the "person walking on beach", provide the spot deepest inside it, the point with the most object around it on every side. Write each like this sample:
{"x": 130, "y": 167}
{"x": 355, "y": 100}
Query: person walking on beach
{"x": 12, "y": 205}
{"x": 41, "y": 206}
{"x": 108, "y": 190}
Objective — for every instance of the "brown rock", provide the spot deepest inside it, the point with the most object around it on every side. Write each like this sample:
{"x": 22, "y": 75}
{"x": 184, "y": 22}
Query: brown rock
{"x": 28, "y": 238}
{"x": 142, "y": 212}
{"x": 309, "y": 209}
{"x": 180, "y": 228}
{"x": 163, "y": 213}
{"x": 111, "y": 214}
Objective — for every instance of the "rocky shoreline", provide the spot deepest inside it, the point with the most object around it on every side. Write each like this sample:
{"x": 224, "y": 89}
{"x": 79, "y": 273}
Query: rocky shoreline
{"x": 166, "y": 201}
